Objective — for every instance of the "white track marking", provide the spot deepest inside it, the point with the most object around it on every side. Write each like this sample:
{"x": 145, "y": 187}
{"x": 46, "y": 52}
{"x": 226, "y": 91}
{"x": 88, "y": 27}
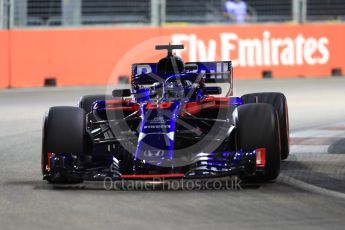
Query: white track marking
{"x": 316, "y": 140}
{"x": 318, "y": 133}
{"x": 302, "y": 149}
{"x": 313, "y": 144}
{"x": 310, "y": 187}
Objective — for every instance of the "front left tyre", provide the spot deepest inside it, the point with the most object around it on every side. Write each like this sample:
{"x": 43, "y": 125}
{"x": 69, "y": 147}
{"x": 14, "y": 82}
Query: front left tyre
{"x": 64, "y": 131}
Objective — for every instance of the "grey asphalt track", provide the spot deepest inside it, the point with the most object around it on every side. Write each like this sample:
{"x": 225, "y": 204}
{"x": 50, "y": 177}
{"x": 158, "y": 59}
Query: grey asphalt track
{"x": 311, "y": 199}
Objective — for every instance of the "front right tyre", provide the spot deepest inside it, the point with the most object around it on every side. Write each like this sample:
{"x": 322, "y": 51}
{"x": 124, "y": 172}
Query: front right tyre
{"x": 279, "y": 103}
{"x": 257, "y": 126}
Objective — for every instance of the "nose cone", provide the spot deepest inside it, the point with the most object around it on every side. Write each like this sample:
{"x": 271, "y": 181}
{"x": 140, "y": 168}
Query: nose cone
{"x": 156, "y": 137}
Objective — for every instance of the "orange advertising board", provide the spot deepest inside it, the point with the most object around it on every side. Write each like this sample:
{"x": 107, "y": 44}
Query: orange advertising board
{"x": 93, "y": 56}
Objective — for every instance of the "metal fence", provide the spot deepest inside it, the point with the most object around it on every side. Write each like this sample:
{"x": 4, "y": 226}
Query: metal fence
{"x": 325, "y": 10}
{"x": 80, "y": 12}
{"x": 212, "y": 11}
{"x": 75, "y": 13}
{"x": 2, "y": 14}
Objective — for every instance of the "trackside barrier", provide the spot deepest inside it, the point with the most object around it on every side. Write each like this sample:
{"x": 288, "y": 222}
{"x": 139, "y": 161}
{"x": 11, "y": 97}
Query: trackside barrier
{"x": 88, "y": 56}
{"x": 4, "y": 59}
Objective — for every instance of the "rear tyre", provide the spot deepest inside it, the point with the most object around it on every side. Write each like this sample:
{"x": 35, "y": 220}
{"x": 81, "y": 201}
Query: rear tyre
{"x": 64, "y": 131}
{"x": 257, "y": 127}
{"x": 279, "y": 102}
{"x": 85, "y": 102}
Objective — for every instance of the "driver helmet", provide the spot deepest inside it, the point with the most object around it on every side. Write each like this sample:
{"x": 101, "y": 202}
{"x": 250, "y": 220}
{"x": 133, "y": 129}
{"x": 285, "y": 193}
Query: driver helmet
{"x": 170, "y": 65}
{"x": 174, "y": 90}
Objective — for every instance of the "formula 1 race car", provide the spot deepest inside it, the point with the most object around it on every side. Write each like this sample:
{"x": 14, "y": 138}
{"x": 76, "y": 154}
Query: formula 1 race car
{"x": 175, "y": 122}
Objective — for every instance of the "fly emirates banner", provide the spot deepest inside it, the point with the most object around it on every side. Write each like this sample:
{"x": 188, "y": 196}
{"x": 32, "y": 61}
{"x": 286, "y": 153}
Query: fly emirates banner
{"x": 92, "y": 56}
{"x": 286, "y": 50}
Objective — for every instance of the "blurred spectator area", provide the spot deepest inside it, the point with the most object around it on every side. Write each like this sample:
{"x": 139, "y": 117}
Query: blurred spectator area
{"x": 114, "y": 12}
{"x": 212, "y": 10}
{"x": 40, "y": 12}
{"x": 30, "y": 13}
{"x": 321, "y": 10}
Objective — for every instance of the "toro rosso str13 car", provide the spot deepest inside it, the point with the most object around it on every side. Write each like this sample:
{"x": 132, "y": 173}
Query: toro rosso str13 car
{"x": 175, "y": 122}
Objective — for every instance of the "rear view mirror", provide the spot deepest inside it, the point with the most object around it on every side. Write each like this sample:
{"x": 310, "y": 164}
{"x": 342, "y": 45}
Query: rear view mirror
{"x": 212, "y": 90}
{"x": 121, "y": 93}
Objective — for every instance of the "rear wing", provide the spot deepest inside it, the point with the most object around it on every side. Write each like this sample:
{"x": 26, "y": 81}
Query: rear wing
{"x": 214, "y": 72}
{"x": 220, "y": 73}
